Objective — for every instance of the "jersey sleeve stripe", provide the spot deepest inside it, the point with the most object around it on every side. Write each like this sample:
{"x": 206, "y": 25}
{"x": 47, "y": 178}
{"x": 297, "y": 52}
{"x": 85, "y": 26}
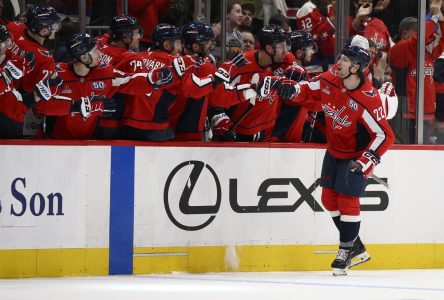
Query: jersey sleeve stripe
{"x": 122, "y": 80}
{"x": 375, "y": 128}
{"x": 202, "y": 81}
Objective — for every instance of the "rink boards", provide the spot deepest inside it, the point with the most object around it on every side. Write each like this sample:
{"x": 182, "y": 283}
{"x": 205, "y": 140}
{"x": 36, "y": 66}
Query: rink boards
{"x": 96, "y": 209}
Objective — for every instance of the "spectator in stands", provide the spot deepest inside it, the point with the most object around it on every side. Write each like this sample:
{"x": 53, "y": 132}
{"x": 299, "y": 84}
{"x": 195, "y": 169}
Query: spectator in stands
{"x": 248, "y": 39}
{"x": 378, "y": 65}
{"x": 317, "y": 17}
{"x": 234, "y": 20}
{"x": 368, "y": 26}
{"x": 248, "y": 10}
{"x": 403, "y": 61}
{"x": 148, "y": 13}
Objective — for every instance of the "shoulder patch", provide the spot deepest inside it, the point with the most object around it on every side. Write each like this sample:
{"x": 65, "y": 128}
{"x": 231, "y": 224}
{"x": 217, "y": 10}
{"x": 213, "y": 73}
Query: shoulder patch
{"x": 45, "y": 53}
{"x": 370, "y": 93}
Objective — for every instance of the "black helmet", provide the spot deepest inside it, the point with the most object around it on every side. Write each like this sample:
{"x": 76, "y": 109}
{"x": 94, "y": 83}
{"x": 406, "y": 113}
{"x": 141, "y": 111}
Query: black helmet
{"x": 300, "y": 39}
{"x": 79, "y": 44}
{"x": 357, "y": 55}
{"x": 194, "y": 32}
{"x": 41, "y": 16}
{"x": 163, "y": 32}
{"x": 122, "y": 26}
{"x": 271, "y": 35}
{"x": 4, "y": 34}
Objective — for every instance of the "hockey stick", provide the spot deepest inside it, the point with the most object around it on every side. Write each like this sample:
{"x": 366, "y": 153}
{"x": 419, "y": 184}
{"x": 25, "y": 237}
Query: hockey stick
{"x": 379, "y": 180}
{"x": 312, "y": 125}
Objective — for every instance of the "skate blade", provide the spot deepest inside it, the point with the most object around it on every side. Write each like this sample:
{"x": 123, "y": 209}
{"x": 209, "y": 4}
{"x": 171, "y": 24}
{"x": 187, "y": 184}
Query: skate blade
{"x": 339, "y": 272}
{"x": 360, "y": 259}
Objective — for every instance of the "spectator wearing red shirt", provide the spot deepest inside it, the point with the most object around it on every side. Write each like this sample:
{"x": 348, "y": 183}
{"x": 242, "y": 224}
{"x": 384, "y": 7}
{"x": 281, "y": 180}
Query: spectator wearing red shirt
{"x": 148, "y": 13}
{"x": 403, "y": 61}
{"x": 370, "y": 27}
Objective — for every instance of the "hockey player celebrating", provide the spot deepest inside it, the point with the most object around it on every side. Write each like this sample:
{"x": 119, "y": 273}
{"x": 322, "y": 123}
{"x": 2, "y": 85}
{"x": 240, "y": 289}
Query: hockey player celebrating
{"x": 88, "y": 85}
{"x": 358, "y": 134}
{"x": 146, "y": 116}
{"x": 117, "y": 50}
{"x": 42, "y": 82}
{"x": 291, "y": 118}
{"x": 12, "y": 69}
{"x": 189, "y": 111}
{"x": 253, "y": 123}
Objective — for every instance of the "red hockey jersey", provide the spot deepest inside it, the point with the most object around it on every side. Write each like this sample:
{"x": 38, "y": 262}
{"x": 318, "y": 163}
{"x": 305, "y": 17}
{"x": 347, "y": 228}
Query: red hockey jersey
{"x": 321, "y": 28}
{"x": 43, "y": 61}
{"x": 374, "y": 30}
{"x": 188, "y": 113}
{"x": 291, "y": 117}
{"x": 102, "y": 80}
{"x": 355, "y": 119}
{"x": 262, "y": 116}
{"x": 403, "y": 61}
{"x": 11, "y": 104}
{"x": 125, "y": 61}
{"x": 150, "y": 111}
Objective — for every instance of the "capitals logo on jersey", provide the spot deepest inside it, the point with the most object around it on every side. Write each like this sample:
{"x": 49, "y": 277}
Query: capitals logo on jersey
{"x": 338, "y": 121}
{"x": 45, "y": 53}
{"x": 370, "y": 93}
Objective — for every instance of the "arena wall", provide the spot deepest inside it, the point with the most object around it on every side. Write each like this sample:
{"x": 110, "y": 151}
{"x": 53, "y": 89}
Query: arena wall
{"x": 93, "y": 208}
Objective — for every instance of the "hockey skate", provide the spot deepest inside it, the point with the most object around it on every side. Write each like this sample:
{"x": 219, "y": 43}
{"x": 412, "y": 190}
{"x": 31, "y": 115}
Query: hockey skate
{"x": 342, "y": 262}
{"x": 359, "y": 254}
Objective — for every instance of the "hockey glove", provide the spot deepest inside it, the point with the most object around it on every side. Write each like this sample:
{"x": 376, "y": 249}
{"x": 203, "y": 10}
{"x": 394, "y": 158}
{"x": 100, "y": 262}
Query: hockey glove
{"x": 17, "y": 67}
{"x": 221, "y": 125}
{"x": 100, "y": 105}
{"x": 389, "y": 99}
{"x": 288, "y": 90}
{"x": 187, "y": 64}
{"x": 295, "y": 72}
{"x": 221, "y": 76}
{"x": 265, "y": 85}
{"x": 160, "y": 77}
{"x": 365, "y": 163}
{"x": 48, "y": 86}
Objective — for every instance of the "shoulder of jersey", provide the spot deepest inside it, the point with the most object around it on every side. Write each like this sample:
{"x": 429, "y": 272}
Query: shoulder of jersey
{"x": 331, "y": 75}
{"x": 305, "y": 10}
{"x": 61, "y": 67}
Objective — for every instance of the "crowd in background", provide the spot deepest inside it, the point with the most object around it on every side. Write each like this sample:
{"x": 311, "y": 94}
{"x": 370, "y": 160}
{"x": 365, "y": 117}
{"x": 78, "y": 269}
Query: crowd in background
{"x": 389, "y": 26}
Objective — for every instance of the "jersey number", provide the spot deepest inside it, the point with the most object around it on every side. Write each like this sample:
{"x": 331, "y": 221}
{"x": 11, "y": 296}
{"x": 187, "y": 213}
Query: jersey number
{"x": 379, "y": 113}
{"x": 306, "y": 24}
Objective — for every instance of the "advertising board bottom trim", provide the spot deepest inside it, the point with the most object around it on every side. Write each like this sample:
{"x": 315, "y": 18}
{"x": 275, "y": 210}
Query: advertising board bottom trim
{"x": 267, "y": 258}
{"x": 28, "y": 263}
